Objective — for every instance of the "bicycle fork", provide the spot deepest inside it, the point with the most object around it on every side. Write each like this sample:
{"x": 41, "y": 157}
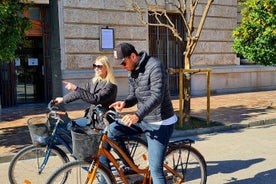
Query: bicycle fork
{"x": 42, "y": 166}
{"x": 91, "y": 174}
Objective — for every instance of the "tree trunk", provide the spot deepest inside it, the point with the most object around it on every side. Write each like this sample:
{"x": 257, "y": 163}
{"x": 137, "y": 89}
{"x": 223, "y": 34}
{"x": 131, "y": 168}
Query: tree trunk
{"x": 187, "y": 86}
{"x": 187, "y": 99}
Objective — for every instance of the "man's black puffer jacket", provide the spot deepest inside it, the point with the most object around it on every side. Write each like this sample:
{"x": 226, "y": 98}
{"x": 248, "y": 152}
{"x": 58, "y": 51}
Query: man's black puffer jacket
{"x": 149, "y": 90}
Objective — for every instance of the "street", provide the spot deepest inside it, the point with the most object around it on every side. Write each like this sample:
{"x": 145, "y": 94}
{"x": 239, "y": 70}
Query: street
{"x": 242, "y": 156}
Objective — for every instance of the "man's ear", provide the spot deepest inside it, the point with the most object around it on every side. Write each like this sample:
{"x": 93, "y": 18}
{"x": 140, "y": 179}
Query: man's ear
{"x": 133, "y": 56}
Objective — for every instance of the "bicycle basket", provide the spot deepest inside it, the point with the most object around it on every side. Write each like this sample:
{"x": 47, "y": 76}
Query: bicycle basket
{"x": 38, "y": 130}
{"x": 52, "y": 121}
{"x": 85, "y": 142}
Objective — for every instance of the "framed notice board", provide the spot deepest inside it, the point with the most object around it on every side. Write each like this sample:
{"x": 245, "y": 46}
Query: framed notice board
{"x": 107, "y": 39}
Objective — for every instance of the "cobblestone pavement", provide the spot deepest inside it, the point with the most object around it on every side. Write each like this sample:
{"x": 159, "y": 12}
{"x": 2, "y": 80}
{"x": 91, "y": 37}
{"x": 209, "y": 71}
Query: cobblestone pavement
{"x": 245, "y": 109}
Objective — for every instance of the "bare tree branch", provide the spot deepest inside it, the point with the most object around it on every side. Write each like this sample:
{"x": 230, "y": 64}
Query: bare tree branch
{"x": 186, "y": 9}
{"x": 169, "y": 24}
{"x": 201, "y": 24}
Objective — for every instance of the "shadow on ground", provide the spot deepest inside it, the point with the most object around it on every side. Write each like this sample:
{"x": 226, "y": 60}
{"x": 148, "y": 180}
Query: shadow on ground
{"x": 234, "y": 114}
{"x": 20, "y": 111}
{"x": 14, "y": 139}
{"x": 232, "y": 166}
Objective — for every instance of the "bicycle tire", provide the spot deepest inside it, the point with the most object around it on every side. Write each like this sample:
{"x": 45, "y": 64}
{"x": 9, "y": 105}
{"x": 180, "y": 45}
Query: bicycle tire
{"x": 24, "y": 165}
{"x": 138, "y": 149}
{"x": 196, "y": 168}
{"x": 77, "y": 172}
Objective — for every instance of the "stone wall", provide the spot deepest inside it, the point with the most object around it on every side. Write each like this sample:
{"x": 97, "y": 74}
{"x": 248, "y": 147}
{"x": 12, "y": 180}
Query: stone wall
{"x": 81, "y": 21}
{"x": 235, "y": 79}
{"x": 214, "y": 46}
{"x": 80, "y": 25}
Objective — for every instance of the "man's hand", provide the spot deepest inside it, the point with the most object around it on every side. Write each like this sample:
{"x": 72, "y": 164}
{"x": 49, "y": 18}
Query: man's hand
{"x": 118, "y": 106}
{"x": 130, "y": 119}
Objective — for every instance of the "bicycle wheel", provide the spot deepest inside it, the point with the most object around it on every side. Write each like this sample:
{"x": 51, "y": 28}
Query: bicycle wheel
{"x": 189, "y": 165}
{"x": 77, "y": 173}
{"x": 26, "y": 163}
{"x": 138, "y": 150}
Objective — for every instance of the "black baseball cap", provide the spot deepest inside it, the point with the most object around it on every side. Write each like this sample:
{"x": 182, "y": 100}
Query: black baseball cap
{"x": 122, "y": 51}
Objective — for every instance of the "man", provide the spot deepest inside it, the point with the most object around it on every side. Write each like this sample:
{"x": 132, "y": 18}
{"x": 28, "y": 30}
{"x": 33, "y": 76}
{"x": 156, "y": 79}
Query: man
{"x": 148, "y": 88}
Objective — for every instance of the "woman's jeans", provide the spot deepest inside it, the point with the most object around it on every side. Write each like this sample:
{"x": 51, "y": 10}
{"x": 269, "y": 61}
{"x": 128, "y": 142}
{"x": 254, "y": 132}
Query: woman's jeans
{"x": 157, "y": 137}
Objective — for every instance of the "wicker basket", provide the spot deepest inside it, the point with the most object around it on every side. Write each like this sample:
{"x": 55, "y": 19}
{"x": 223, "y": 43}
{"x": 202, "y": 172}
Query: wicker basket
{"x": 38, "y": 130}
{"x": 85, "y": 142}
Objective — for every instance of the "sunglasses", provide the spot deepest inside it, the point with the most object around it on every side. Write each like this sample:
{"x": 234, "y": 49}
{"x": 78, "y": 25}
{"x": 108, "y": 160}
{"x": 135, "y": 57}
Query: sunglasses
{"x": 123, "y": 63}
{"x": 97, "y": 66}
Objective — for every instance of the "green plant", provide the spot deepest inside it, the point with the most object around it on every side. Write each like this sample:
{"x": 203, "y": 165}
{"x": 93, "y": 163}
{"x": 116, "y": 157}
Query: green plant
{"x": 12, "y": 28}
{"x": 255, "y": 37}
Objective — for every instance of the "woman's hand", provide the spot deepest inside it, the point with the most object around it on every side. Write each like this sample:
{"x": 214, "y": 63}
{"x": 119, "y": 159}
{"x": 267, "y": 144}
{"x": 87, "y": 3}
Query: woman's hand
{"x": 69, "y": 86}
{"x": 58, "y": 100}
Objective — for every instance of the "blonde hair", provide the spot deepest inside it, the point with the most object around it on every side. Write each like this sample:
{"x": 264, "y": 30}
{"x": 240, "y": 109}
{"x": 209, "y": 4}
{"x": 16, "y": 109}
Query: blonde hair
{"x": 109, "y": 71}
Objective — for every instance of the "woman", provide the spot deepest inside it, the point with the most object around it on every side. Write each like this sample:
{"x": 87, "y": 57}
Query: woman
{"x": 102, "y": 89}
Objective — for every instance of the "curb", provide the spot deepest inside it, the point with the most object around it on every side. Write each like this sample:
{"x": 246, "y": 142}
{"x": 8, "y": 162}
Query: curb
{"x": 6, "y": 157}
{"x": 184, "y": 133}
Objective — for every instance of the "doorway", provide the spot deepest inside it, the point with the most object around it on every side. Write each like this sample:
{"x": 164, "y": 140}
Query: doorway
{"x": 29, "y": 72}
{"x": 28, "y": 78}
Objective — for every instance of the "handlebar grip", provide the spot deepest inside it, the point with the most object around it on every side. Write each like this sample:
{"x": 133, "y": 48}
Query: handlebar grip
{"x": 61, "y": 113}
{"x": 51, "y": 104}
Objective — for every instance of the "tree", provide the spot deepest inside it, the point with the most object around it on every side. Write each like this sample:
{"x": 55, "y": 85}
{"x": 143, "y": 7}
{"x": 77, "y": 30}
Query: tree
{"x": 255, "y": 37}
{"x": 187, "y": 9}
{"x": 12, "y": 28}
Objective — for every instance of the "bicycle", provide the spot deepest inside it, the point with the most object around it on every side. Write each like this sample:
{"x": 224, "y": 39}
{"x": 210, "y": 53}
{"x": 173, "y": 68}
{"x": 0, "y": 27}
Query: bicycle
{"x": 51, "y": 148}
{"x": 183, "y": 164}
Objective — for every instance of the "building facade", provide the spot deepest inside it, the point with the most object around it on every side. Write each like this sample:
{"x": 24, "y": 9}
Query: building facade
{"x": 81, "y": 23}
{"x": 79, "y": 31}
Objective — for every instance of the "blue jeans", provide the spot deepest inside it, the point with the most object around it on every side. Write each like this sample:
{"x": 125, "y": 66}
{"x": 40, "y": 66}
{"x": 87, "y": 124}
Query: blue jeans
{"x": 157, "y": 137}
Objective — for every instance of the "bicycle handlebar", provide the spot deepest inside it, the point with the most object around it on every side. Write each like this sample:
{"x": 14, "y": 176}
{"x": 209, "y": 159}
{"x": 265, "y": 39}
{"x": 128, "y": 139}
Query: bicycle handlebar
{"x": 54, "y": 109}
{"x": 103, "y": 115}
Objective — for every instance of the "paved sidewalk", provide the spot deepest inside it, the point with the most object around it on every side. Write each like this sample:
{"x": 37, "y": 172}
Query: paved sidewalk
{"x": 234, "y": 110}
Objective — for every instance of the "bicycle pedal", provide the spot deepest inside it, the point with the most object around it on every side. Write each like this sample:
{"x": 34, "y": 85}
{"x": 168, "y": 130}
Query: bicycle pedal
{"x": 115, "y": 173}
{"x": 129, "y": 172}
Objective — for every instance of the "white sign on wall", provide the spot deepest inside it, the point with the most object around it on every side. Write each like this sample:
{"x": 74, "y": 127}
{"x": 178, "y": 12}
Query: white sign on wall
{"x": 32, "y": 61}
{"x": 107, "y": 39}
{"x": 17, "y": 62}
